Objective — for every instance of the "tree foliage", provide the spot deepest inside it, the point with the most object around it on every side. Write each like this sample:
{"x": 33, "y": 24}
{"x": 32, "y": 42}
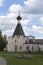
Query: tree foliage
{"x": 3, "y": 41}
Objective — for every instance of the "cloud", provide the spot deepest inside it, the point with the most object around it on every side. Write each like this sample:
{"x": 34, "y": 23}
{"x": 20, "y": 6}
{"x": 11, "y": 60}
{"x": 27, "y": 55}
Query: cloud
{"x": 8, "y": 19}
{"x": 37, "y": 29}
{"x": 2, "y": 28}
{"x": 8, "y": 32}
{"x": 25, "y": 22}
{"x": 7, "y": 22}
{"x": 41, "y": 20}
{"x": 15, "y": 8}
{"x": 1, "y": 2}
{"x": 26, "y": 30}
{"x": 34, "y": 6}
{"x": 30, "y": 3}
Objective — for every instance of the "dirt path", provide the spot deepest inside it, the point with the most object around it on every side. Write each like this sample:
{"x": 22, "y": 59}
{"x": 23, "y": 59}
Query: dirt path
{"x": 2, "y": 61}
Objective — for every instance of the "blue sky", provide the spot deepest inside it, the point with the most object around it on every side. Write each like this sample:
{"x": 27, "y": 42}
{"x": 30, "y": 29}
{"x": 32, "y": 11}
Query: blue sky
{"x": 31, "y": 12}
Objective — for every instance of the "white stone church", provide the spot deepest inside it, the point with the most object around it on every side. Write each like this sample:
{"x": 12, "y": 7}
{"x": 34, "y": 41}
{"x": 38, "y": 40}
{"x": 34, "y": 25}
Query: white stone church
{"x": 18, "y": 42}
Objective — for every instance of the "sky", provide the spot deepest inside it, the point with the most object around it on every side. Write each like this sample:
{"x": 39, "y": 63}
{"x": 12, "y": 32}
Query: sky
{"x": 31, "y": 12}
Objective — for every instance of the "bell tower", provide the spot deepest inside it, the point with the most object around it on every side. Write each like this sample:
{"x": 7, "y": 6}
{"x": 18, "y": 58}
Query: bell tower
{"x": 18, "y": 30}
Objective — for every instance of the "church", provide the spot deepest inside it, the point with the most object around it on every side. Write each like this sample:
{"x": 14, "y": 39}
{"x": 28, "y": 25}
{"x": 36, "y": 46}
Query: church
{"x": 19, "y": 42}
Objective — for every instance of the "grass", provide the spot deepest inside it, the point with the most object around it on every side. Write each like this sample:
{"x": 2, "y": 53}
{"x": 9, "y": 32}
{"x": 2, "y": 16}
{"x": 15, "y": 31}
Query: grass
{"x": 11, "y": 60}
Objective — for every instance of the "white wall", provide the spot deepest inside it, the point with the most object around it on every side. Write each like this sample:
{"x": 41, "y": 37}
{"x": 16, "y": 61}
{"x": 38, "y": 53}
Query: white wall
{"x": 10, "y": 46}
{"x": 20, "y": 41}
{"x": 41, "y": 47}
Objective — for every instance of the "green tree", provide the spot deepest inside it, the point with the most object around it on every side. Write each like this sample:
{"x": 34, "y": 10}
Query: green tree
{"x": 3, "y": 41}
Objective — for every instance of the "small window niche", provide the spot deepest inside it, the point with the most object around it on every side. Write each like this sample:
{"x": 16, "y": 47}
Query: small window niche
{"x": 15, "y": 41}
{"x": 27, "y": 47}
{"x": 20, "y": 47}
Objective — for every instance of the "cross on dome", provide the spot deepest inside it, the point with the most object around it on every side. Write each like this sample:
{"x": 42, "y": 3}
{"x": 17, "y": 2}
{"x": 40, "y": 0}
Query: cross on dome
{"x": 19, "y": 17}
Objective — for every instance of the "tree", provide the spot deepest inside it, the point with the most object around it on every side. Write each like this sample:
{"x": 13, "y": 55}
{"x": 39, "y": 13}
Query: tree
{"x": 3, "y": 41}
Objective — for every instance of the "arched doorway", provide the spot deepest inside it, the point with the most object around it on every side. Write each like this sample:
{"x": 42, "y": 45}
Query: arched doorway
{"x": 15, "y": 46}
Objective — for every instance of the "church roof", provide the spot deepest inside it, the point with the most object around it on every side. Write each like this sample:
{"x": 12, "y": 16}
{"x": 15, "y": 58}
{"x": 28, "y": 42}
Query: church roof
{"x": 18, "y": 30}
{"x": 39, "y": 41}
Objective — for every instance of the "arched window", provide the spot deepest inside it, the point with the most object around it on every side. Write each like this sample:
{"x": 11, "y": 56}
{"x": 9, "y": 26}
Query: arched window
{"x": 32, "y": 47}
{"x": 27, "y": 47}
{"x": 20, "y": 47}
{"x": 15, "y": 41}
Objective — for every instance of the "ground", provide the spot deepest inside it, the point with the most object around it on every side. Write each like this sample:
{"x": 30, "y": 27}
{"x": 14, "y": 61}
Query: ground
{"x": 37, "y": 58}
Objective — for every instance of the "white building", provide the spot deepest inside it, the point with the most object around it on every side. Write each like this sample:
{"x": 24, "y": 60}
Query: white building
{"x": 18, "y": 42}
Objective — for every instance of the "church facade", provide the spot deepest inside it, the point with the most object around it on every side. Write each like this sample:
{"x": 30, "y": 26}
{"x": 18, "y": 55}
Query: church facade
{"x": 18, "y": 42}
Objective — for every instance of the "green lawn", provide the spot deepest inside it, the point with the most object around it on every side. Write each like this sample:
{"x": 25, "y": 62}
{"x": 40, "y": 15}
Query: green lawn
{"x": 11, "y": 60}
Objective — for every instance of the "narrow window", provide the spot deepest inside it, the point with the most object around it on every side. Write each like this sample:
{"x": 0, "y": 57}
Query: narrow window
{"x": 27, "y": 47}
{"x": 20, "y": 47}
{"x": 15, "y": 41}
